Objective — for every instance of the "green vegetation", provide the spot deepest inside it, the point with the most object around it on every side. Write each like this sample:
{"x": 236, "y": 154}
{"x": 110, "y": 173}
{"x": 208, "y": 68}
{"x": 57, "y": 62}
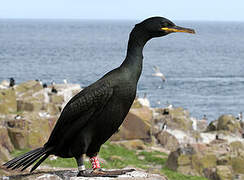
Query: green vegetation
{"x": 114, "y": 156}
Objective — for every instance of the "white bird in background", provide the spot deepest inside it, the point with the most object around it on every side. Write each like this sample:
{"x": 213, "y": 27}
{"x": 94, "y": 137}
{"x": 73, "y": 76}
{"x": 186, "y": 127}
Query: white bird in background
{"x": 144, "y": 101}
{"x": 158, "y": 73}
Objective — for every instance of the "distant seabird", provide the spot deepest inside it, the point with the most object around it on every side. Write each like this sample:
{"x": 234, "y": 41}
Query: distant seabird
{"x": 144, "y": 101}
{"x": 158, "y": 73}
{"x": 11, "y": 82}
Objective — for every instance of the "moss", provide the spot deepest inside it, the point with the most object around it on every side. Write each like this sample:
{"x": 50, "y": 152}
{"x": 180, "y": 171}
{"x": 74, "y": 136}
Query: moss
{"x": 184, "y": 160}
{"x": 224, "y": 172}
{"x": 237, "y": 165}
{"x": 228, "y": 123}
{"x": 200, "y": 162}
{"x": 8, "y": 102}
{"x": 39, "y": 131}
{"x": 236, "y": 146}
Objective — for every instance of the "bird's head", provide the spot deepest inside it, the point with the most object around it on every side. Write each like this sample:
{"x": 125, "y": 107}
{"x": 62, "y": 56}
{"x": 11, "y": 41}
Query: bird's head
{"x": 160, "y": 26}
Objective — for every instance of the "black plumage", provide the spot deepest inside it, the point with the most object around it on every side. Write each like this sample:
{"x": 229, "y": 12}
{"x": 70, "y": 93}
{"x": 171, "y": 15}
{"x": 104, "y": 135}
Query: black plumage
{"x": 92, "y": 116}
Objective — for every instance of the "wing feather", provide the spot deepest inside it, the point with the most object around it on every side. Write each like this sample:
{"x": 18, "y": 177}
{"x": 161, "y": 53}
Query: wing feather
{"x": 80, "y": 109}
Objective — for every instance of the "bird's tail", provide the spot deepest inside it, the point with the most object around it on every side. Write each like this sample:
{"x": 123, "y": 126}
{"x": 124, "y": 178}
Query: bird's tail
{"x": 27, "y": 159}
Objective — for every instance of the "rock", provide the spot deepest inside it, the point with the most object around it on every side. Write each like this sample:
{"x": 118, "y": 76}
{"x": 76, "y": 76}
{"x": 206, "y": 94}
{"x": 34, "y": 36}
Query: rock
{"x": 180, "y": 119}
{"x": 191, "y": 162}
{"x": 5, "y": 145}
{"x": 212, "y": 126}
{"x": 224, "y": 172}
{"x": 236, "y": 146}
{"x": 144, "y": 113}
{"x": 29, "y": 104}
{"x": 237, "y": 165}
{"x": 132, "y": 144}
{"x": 168, "y": 141}
{"x": 56, "y": 99}
{"x": 31, "y": 131}
{"x": 202, "y": 125}
{"x": 71, "y": 174}
{"x": 228, "y": 123}
{"x": 28, "y": 88}
{"x": 17, "y": 131}
{"x": 133, "y": 127}
{"x": 48, "y": 177}
{"x": 224, "y": 160}
{"x": 8, "y": 102}
{"x": 136, "y": 104}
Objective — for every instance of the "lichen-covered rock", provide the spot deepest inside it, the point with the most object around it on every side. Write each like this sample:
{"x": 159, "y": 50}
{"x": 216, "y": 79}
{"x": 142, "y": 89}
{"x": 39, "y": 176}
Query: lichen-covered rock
{"x": 236, "y": 146}
{"x": 133, "y": 127}
{"x": 191, "y": 162}
{"x": 5, "y": 144}
{"x": 29, "y": 104}
{"x": 30, "y": 131}
{"x": 72, "y": 175}
{"x": 224, "y": 172}
{"x": 228, "y": 123}
{"x": 167, "y": 140}
{"x": 8, "y": 102}
{"x": 237, "y": 165}
{"x": 28, "y": 88}
{"x": 56, "y": 99}
{"x": 180, "y": 119}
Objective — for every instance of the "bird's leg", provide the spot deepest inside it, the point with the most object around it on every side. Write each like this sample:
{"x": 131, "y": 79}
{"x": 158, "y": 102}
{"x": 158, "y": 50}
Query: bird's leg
{"x": 81, "y": 166}
{"x": 97, "y": 169}
{"x": 95, "y": 163}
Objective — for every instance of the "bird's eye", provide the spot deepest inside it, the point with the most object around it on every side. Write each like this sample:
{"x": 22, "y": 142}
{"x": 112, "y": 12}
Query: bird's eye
{"x": 164, "y": 24}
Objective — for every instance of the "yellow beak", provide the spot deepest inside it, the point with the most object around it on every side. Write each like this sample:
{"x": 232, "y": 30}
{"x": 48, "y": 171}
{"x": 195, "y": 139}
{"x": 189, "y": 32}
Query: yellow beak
{"x": 178, "y": 29}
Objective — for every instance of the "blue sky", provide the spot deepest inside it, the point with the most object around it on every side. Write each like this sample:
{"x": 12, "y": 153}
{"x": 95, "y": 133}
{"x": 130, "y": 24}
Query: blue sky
{"x": 213, "y": 10}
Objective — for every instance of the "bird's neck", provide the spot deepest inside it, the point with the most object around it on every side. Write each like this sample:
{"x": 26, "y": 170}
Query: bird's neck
{"x": 134, "y": 58}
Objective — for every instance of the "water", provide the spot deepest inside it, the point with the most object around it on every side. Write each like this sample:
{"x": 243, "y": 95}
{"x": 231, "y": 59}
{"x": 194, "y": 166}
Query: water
{"x": 205, "y": 72}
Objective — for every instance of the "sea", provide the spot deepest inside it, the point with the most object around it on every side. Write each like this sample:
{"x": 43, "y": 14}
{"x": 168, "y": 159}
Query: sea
{"x": 204, "y": 72}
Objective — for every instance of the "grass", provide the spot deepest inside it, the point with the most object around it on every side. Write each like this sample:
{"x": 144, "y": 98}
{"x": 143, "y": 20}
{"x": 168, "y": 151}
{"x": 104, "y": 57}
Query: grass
{"x": 114, "y": 156}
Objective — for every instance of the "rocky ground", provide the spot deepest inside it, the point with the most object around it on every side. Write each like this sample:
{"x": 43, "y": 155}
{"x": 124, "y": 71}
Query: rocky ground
{"x": 65, "y": 174}
{"x": 28, "y": 113}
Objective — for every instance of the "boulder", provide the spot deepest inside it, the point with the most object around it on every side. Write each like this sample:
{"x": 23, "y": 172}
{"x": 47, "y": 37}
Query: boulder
{"x": 8, "y": 102}
{"x": 5, "y": 141}
{"x": 167, "y": 140}
{"x": 228, "y": 123}
{"x": 28, "y": 88}
{"x": 29, "y": 104}
{"x": 56, "y": 99}
{"x": 237, "y": 165}
{"x": 190, "y": 162}
{"x": 134, "y": 127}
{"x": 30, "y": 131}
{"x": 224, "y": 172}
{"x": 5, "y": 145}
{"x": 180, "y": 119}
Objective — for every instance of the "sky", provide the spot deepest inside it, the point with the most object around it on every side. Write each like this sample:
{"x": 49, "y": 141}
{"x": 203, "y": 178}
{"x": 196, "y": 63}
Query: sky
{"x": 210, "y": 10}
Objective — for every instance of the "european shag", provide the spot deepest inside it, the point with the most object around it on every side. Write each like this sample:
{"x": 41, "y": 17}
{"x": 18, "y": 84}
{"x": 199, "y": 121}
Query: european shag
{"x": 92, "y": 116}
{"x": 11, "y": 82}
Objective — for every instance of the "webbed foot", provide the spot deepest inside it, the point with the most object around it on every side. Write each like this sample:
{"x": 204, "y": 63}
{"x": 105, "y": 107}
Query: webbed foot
{"x": 95, "y": 173}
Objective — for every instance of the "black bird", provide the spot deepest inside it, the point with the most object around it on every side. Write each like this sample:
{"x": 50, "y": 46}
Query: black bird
{"x": 92, "y": 116}
{"x": 11, "y": 82}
